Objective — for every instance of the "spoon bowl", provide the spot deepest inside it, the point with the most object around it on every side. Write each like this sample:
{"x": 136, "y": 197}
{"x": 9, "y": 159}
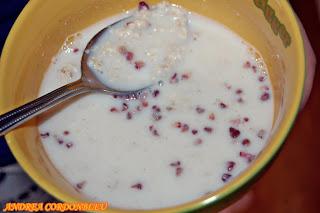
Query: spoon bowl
{"x": 86, "y": 84}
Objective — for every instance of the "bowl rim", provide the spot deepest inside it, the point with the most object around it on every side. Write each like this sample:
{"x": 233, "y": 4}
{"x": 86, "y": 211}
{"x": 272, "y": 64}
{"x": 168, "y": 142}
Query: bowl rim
{"x": 214, "y": 198}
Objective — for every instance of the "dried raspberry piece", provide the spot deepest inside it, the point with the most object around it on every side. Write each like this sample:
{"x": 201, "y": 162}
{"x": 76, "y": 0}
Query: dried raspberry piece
{"x": 139, "y": 65}
{"x": 223, "y": 105}
{"x": 200, "y": 110}
{"x": 208, "y": 129}
{"x": 212, "y": 116}
{"x": 225, "y": 177}
{"x": 143, "y": 6}
{"x": 265, "y": 96}
{"x": 246, "y": 142}
{"x": 45, "y": 134}
{"x": 234, "y": 133}
{"x": 194, "y": 131}
{"x": 69, "y": 145}
{"x": 184, "y": 128}
{"x": 179, "y": 171}
{"x": 230, "y": 165}
{"x": 81, "y": 184}
{"x": 249, "y": 157}
{"x": 175, "y": 164}
{"x": 137, "y": 186}
{"x": 129, "y": 115}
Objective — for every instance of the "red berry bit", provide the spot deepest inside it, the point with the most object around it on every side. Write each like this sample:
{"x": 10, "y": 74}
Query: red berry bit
{"x": 154, "y": 131}
{"x": 225, "y": 177}
{"x": 194, "y": 131}
{"x": 240, "y": 100}
{"x": 265, "y": 96}
{"x": 261, "y": 78}
{"x": 212, "y": 117}
{"x": 184, "y": 128}
{"x": 246, "y": 119}
{"x": 69, "y": 145}
{"x": 249, "y": 157}
{"x": 143, "y": 6}
{"x": 246, "y": 142}
{"x": 75, "y": 50}
{"x": 145, "y": 104}
{"x": 254, "y": 69}
{"x": 45, "y": 134}
{"x": 129, "y": 115}
{"x": 129, "y": 56}
{"x": 137, "y": 186}
{"x": 230, "y": 165}
{"x": 198, "y": 141}
{"x": 113, "y": 109}
{"x": 155, "y": 93}
{"x": 200, "y": 110}
{"x": 80, "y": 185}
{"x": 185, "y": 76}
{"x": 234, "y": 133}
{"x": 174, "y": 78}
{"x": 151, "y": 127}
{"x": 66, "y": 132}
{"x": 247, "y": 65}
{"x": 60, "y": 141}
{"x": 223, "y": 105}
{"x": 125, "y": 107}
{"x": 139, "y": 65}
{"x": 175, "y": 164}
{"x": 156, "y": 113}
{"x": 179, "y": 171}
{"x": 208, "y": 129}
{"x": 261, "y": 134}
{"x": 239, "y": 91}
{"x": 177, "y": 124}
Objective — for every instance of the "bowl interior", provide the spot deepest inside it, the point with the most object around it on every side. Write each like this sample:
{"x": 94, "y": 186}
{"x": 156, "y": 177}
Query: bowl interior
{"x": 43, "y": 26}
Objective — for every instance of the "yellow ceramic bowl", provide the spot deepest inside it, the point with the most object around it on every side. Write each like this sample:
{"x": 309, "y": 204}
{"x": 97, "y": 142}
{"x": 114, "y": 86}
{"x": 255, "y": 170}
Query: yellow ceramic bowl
{"x": 40, "y": 30}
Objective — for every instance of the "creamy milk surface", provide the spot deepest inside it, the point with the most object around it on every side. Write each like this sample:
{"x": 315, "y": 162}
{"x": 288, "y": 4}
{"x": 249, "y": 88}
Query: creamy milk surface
{"x": 206, "y": 118}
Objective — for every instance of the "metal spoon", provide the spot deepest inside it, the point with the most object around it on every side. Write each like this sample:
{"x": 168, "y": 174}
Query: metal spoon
{"x": 87, "y": 83}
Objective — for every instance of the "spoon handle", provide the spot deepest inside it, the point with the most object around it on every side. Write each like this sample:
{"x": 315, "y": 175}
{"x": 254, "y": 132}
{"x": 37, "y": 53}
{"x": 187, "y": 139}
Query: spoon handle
{"x": 18, "y": 116}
